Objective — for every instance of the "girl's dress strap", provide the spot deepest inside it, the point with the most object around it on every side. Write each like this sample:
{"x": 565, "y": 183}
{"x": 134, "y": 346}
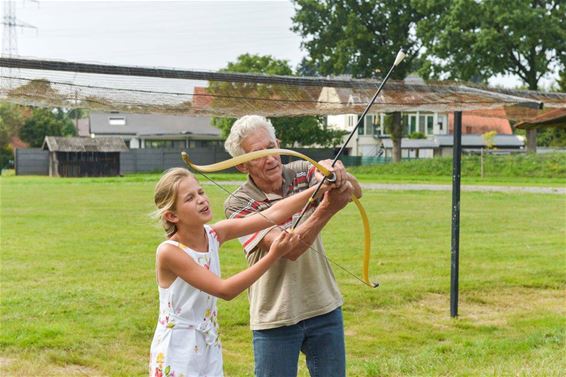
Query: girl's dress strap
{"x": 170, "y": 242}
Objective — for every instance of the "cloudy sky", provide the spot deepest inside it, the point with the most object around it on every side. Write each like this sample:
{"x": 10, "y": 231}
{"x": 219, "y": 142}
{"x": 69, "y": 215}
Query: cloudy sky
{"x": 180, "y": 34}
{"x": 199, "y": 35}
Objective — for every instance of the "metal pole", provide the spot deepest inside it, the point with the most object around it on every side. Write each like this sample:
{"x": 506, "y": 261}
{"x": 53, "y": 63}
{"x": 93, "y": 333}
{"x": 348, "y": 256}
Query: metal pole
{"x": 455, "y": 245}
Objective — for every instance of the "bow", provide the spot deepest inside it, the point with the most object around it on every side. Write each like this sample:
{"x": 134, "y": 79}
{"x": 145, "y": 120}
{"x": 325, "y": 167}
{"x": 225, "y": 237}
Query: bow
{"x": 325, "y": 172}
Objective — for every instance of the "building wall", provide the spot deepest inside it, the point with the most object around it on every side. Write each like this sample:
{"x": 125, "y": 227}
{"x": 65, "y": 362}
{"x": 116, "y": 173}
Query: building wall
{"x": 32, "y": 161}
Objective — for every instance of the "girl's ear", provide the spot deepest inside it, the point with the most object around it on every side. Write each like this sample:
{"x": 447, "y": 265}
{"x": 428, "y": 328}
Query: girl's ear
{"x": 171, "y": 217}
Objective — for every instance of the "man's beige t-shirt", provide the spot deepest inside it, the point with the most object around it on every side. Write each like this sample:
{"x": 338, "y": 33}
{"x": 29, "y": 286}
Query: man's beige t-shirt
{"x": 290, "y": 291}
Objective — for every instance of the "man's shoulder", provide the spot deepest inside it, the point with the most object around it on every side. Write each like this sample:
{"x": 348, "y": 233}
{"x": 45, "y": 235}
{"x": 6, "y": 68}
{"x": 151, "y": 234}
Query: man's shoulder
{"x": 298, "y": 166}
{"x": 245, "y": 200}
{"x": 240, "y": 195}
{"x": 299, "y": 175}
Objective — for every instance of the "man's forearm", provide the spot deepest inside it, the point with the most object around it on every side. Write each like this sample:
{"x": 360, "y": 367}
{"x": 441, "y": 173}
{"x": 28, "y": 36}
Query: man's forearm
{"x": 309, "y": 230}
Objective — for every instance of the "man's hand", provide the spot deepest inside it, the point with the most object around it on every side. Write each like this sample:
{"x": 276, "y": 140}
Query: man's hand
{"x": 335, "y": 200}
{"x": 339, "y": 171}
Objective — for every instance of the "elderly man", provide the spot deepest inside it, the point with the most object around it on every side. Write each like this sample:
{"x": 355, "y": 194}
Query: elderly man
{"x": 296, "y": 305}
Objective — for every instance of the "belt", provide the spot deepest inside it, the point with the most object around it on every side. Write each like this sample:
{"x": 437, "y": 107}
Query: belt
{"x": 206, "y": 328}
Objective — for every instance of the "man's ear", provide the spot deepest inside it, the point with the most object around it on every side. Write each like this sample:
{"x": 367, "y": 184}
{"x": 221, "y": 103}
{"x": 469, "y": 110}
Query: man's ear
{"x": 277, "y": 143}
{"x": 171, "y": 217}
{"x": 242, "y": 168}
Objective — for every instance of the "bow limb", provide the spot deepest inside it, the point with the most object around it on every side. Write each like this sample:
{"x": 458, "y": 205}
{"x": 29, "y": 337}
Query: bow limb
{"x": 287, "y": 152}
{"x": 367, "y": 232}
{"x": 252, "y": 156}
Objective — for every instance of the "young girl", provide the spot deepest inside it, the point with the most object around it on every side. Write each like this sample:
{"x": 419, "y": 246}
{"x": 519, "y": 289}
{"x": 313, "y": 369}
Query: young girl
{"x": 186, "y": 339}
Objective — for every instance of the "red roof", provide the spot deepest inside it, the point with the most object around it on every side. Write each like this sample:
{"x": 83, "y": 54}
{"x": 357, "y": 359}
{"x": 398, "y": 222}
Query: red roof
{"x": 16, "y": 142}
{"x": 482, "y": 121}
{"x": 201, "y": 98}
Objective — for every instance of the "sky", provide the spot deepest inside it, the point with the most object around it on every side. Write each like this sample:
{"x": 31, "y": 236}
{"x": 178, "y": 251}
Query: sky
{"x": 203, "y": 35}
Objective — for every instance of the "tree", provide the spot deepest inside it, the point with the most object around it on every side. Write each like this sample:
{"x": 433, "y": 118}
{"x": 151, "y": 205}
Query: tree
{"x": 475, "y": 40}
{"x": 11, "y": 121}
{"x": 291, "y": 131}
{"x": 562, "y": 81}
{"x": 551, "y": 137}
{"x": 360, "y": 38}
{"x": 46, "y": 122}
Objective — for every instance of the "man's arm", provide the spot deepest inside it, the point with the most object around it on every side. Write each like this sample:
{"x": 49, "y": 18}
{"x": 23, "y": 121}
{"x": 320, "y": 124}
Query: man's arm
{"x": 332, "y": 202}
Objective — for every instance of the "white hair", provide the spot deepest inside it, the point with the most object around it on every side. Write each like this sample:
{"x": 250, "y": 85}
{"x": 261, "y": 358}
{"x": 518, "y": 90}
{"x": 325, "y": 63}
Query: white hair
{"x": 242, "y": 128}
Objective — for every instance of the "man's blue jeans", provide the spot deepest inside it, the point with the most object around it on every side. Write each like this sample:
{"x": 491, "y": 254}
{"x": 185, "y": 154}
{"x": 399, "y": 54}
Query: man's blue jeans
{"x": 320, "y": 338}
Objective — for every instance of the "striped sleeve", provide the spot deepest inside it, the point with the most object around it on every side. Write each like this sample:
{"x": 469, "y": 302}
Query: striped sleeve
{"x": 237, "y": 207}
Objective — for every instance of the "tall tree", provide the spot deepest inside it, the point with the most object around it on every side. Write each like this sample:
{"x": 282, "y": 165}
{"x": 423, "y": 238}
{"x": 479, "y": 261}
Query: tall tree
{"x": 291, "y": 131}
{"x": 477, "y": 39}
{"x": 46, "y": 122}
{"x": 562, "y": 81}
{"x": 360, "y": 38}
{"x": 11, "y": 121}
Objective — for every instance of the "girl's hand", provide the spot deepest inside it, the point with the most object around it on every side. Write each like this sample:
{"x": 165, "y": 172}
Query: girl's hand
{"x": 282, "y": 244}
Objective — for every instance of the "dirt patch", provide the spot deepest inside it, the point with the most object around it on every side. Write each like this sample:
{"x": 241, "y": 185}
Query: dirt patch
{"x": 9, "y": 365}
{"x": 4, "y": 362}
{"x": 75, "y": 370}
{"x": 491, "y": 308}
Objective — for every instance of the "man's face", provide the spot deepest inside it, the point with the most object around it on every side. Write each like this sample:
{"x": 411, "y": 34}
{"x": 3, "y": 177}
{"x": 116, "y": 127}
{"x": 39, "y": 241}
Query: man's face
{"x": 266, "y": 170}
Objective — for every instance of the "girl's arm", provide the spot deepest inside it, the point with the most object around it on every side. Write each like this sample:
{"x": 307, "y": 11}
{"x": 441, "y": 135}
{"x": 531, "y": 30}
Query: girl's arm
{"x": 278, "y": 213}
{"x": 172, "y": 259}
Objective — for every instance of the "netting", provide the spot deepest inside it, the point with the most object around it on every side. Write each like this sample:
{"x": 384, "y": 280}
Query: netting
{"x": 172, "y": 91}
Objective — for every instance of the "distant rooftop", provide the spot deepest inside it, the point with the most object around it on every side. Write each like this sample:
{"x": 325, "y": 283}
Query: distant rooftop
{"x": 84, "y": 144}
{"x": 117, "y": 123}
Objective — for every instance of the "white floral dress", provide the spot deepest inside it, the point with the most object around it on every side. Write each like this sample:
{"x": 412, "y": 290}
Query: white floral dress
{"x": 186, "y": 341}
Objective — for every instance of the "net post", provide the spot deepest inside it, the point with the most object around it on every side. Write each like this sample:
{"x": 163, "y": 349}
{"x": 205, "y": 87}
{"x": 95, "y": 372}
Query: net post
{"x": 455, "y": 244}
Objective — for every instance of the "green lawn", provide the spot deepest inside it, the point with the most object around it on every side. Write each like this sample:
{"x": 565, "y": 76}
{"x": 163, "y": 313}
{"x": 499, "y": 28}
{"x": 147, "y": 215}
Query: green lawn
{"x": 78, "y": 291}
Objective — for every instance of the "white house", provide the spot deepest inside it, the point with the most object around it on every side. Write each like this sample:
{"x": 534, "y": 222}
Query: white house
{"x": 372, "y": 140}
{"x": 371, "y": 131}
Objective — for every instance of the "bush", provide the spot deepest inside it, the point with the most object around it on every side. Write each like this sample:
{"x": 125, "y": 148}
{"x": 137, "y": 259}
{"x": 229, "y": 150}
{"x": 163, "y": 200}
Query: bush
{"x": 552, "y": 165}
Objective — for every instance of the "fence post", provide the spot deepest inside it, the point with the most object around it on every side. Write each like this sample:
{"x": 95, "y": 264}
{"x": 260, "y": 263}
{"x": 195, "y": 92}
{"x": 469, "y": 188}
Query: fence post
{"x": 455, "y": 244}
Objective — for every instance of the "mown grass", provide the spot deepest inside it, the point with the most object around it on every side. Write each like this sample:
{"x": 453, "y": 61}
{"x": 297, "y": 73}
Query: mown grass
{"x": 79, "y": 295}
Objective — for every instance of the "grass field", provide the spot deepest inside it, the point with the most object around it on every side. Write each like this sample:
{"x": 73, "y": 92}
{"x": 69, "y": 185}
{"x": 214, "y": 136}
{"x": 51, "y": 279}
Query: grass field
{"x": 79, "y": 298}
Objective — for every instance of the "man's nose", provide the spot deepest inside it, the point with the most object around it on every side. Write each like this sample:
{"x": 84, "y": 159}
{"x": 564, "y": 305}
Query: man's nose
{"x": 271, "y": 158}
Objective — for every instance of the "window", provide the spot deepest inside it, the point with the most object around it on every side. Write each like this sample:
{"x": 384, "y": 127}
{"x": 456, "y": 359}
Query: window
{"x": 412, "y": 126}
{"x": 370, "y": 126}
{"x": 426, "y": 124}
{"x": 361, "y": 128}
{"x": 204, "y": 143}
{"x": 166, "y": 144}
{"x": 117, "y": 121}
{"x": 351, "y": 121}
{"x": 430, "y": 124}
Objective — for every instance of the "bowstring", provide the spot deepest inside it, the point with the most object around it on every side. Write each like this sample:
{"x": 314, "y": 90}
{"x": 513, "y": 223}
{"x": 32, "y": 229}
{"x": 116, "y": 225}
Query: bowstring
{"x": 310, "y": 247}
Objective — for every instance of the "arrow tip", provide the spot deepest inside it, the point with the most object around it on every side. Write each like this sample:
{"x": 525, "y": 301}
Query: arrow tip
{"x": 400, "y": 56}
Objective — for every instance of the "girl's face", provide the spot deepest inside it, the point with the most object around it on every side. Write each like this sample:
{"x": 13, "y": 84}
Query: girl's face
{"x": 192, "y": 206}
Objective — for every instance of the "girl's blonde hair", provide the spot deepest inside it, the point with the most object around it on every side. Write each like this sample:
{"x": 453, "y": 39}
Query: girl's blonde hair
{"x": 165, "y": 196}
